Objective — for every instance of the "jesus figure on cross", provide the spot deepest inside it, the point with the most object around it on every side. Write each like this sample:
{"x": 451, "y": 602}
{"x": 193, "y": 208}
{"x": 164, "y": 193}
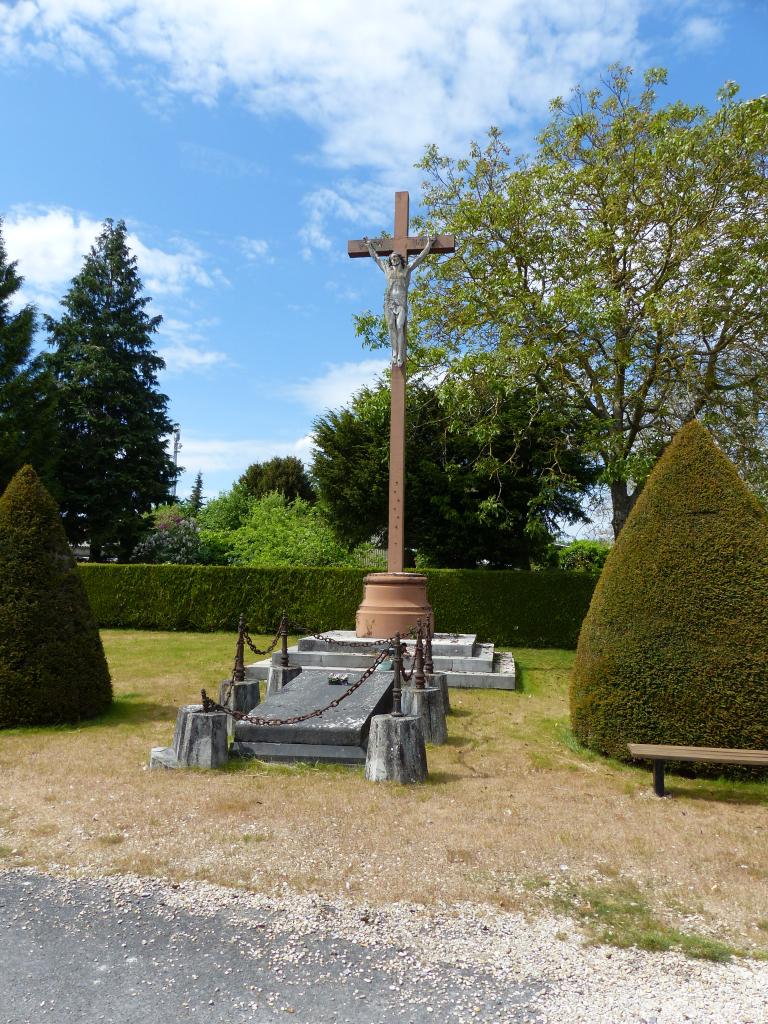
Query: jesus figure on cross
{"x": 398, "y": 272}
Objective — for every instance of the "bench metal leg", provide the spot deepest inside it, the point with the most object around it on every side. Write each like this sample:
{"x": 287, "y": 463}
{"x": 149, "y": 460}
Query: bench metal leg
{"x": 658, "y": 777}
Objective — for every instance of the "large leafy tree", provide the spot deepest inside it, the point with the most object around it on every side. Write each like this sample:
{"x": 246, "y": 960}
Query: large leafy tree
{"x": 284, "y": 474}
{"x": 621, "y": 268}
{"x": 27, "y": 428}
{"x": 463, "y": 505}
{"x": 113, "y": 420}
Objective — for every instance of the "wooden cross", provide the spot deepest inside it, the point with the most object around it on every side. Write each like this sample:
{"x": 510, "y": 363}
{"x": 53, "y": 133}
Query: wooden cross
{"x": 406, "y": 246}
{"x": 402, "y": 242}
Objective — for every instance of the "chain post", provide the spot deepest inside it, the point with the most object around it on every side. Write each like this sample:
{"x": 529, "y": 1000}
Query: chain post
{"x": 238, "y": 673}
{"x": 284, "y": 641}
{"x": 419, "y": 680}
{"x": 429, "y": 666}
{"x": 397, "y": 690}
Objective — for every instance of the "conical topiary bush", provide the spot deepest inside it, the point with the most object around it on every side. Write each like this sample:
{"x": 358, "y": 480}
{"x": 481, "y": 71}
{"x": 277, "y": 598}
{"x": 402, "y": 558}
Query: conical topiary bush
{"x": 52, "y": 664}
{"x": 674, "y": 647}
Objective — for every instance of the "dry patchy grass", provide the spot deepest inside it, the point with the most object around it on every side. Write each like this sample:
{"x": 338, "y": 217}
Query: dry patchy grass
{"x": 514, "y": 813}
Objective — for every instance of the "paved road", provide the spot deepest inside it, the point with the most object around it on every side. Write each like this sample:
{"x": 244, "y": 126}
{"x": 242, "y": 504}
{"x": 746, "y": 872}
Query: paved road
{"x": 89, "y": 952}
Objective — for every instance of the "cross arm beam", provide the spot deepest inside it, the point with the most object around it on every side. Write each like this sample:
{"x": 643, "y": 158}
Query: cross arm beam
{"x": 386, "y": 246}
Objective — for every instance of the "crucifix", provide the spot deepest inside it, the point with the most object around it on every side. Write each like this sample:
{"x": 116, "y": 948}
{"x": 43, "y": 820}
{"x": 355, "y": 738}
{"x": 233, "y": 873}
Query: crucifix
{"x": 398, "y": 271}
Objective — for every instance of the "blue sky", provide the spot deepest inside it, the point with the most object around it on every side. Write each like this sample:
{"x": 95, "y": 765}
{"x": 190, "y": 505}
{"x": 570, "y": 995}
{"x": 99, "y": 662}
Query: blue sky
{"x": 245, "y": 142}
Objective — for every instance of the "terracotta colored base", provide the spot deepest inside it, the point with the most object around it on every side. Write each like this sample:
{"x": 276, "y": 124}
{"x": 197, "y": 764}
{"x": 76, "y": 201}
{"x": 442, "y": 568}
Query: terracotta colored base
{"x": 393, "y": 602}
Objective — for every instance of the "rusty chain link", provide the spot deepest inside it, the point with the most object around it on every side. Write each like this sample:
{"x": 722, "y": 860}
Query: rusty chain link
{"x": 240, "y": 716}
{"x": 267, "y": 650}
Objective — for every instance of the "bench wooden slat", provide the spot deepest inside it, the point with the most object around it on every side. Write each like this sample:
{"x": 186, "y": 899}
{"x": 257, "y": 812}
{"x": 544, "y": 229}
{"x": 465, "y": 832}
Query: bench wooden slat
{"x": 716, "y": 755}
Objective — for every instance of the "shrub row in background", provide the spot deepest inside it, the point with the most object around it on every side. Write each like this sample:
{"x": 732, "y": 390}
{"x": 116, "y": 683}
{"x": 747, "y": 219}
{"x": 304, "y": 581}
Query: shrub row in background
{"x": 528, "y": 609}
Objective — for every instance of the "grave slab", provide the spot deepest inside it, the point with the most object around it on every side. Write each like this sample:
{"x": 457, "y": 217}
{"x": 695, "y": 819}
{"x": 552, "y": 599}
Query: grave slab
{"x": 345, "y": 727}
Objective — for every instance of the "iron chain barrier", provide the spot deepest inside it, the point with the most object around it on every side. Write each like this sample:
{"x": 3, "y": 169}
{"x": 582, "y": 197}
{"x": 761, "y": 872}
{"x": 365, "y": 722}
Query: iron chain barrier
{"x": 241, "y": 716}
{"x": 392, "y": 646}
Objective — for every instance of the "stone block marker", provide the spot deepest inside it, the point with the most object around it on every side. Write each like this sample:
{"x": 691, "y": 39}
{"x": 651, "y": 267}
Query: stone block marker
{"x": 243, "y": 697}
{"x": 396, "y": 751}
{"x": 440, "y": 680}
{"x": 199, "y": 740}
{"x": 279, "y": 676}
{"x": 240, "y": 696}
{"x": 427, "y": 704}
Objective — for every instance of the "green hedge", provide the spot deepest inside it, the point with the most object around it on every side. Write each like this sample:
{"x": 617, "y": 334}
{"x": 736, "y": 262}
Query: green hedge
{"x": 529, "y": 609}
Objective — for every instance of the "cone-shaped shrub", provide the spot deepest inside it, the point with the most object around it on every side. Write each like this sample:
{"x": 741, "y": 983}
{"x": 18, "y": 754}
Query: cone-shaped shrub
{"x": 52, "y": 664}
{"x": 674, "y": 647}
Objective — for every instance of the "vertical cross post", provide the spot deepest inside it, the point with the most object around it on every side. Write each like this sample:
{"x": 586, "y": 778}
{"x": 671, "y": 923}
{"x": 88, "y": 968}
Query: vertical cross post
{"x": 396, "y": 545}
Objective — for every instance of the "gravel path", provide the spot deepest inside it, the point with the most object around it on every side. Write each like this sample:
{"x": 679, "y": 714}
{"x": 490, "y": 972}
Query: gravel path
{"x": 124, "y": 949}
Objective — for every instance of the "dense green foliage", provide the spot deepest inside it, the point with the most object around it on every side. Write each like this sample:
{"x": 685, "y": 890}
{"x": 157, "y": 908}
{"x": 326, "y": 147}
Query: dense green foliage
{"x": 277, "y": 531}
{"x": 172, "y": 542}
{"x": 27, "y": 428}
{"x": 462, "y": 509}
{"x": 228, "y": 511}
{"x": 239, "y": 529}
{"x": 112, "y": 420}
{"x": 283, "y": 474}
{"x": 674, "y": 648}
{"x": 52, "y": 664}
{"x": 540, "y": 609}
{"x": 620, "y": 269}
{"x": 583, "y": 555}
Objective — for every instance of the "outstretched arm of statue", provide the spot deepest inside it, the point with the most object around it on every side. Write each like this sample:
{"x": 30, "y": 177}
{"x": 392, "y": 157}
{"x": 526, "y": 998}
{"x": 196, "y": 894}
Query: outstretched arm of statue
{"x": 424, "y": 252}
{"x": 372, "y": 250}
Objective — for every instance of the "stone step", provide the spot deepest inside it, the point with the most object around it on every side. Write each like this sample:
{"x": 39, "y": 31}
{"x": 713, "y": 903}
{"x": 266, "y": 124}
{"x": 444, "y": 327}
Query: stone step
{"x": 482, "y": 661}
{"x": 502, "y": 678}
{"x": 323, "y": 753}
{"x": 447, "y": 645}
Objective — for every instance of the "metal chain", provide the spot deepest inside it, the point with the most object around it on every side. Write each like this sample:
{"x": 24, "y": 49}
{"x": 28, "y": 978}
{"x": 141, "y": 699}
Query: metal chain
{"x": 319, "y": 635}
{"x": 267, "y": 650}
{"x": 241, "y": 716}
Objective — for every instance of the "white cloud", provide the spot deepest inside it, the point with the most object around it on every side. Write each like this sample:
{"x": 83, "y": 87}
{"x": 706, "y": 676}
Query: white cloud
{"x": 50, "y": 244}
{"x": 379, "y": 81}
{"x": 256, "y": 250}
{"x": 700, "y": 33}
{"x": 212, "y": 455}
{"x": 336, "y": 386}
{"x": 170, "y": 273}
{"x": 179, "y": 353}
{"x": 353, "y": 202}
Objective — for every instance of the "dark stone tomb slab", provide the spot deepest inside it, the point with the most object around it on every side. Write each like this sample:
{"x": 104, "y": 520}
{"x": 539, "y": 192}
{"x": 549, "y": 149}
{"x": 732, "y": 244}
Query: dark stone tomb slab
{"x": 340, "y": 735}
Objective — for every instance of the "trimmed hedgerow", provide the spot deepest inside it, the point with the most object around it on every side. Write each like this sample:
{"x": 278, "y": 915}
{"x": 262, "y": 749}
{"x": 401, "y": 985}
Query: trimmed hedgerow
{"x": 52, "y": 664}
{"x": 674, "y": 648}
{"x": 542, "y": 609}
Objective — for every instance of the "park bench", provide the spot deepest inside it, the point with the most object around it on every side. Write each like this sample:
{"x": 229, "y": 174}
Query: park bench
{"x": 660, "y": 753}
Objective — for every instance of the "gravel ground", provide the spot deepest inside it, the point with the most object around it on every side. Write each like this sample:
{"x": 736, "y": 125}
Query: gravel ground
{"x": 126, "y": 949}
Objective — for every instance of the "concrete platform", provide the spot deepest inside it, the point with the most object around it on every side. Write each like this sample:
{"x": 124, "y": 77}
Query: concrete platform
{"x": 466, "y": 663}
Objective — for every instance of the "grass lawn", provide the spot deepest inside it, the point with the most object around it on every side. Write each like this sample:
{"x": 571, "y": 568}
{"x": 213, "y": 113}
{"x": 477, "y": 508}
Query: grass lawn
{"x": 514, "y": 814}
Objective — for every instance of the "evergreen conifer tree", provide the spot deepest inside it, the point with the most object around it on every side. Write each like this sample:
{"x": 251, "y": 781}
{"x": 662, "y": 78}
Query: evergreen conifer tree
{"x": 195, "y": 502}
{"x": 112, "y": 419}
{"x": 27, "y": 428}
{"x": 674, "y": 647}
{"x": 52, "y": 664}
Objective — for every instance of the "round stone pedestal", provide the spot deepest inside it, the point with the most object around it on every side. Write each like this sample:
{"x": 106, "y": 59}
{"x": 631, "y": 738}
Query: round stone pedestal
{"x": 427, "y": 704}
{"x": 396, "y": 751}
{"x": 393, "y": 602}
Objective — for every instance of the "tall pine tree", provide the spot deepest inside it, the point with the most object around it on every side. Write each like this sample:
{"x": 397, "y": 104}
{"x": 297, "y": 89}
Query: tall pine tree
{"x": 113, "y": 421}
{"x": 27, "y": 426}
{"x": 196, "y": 499}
